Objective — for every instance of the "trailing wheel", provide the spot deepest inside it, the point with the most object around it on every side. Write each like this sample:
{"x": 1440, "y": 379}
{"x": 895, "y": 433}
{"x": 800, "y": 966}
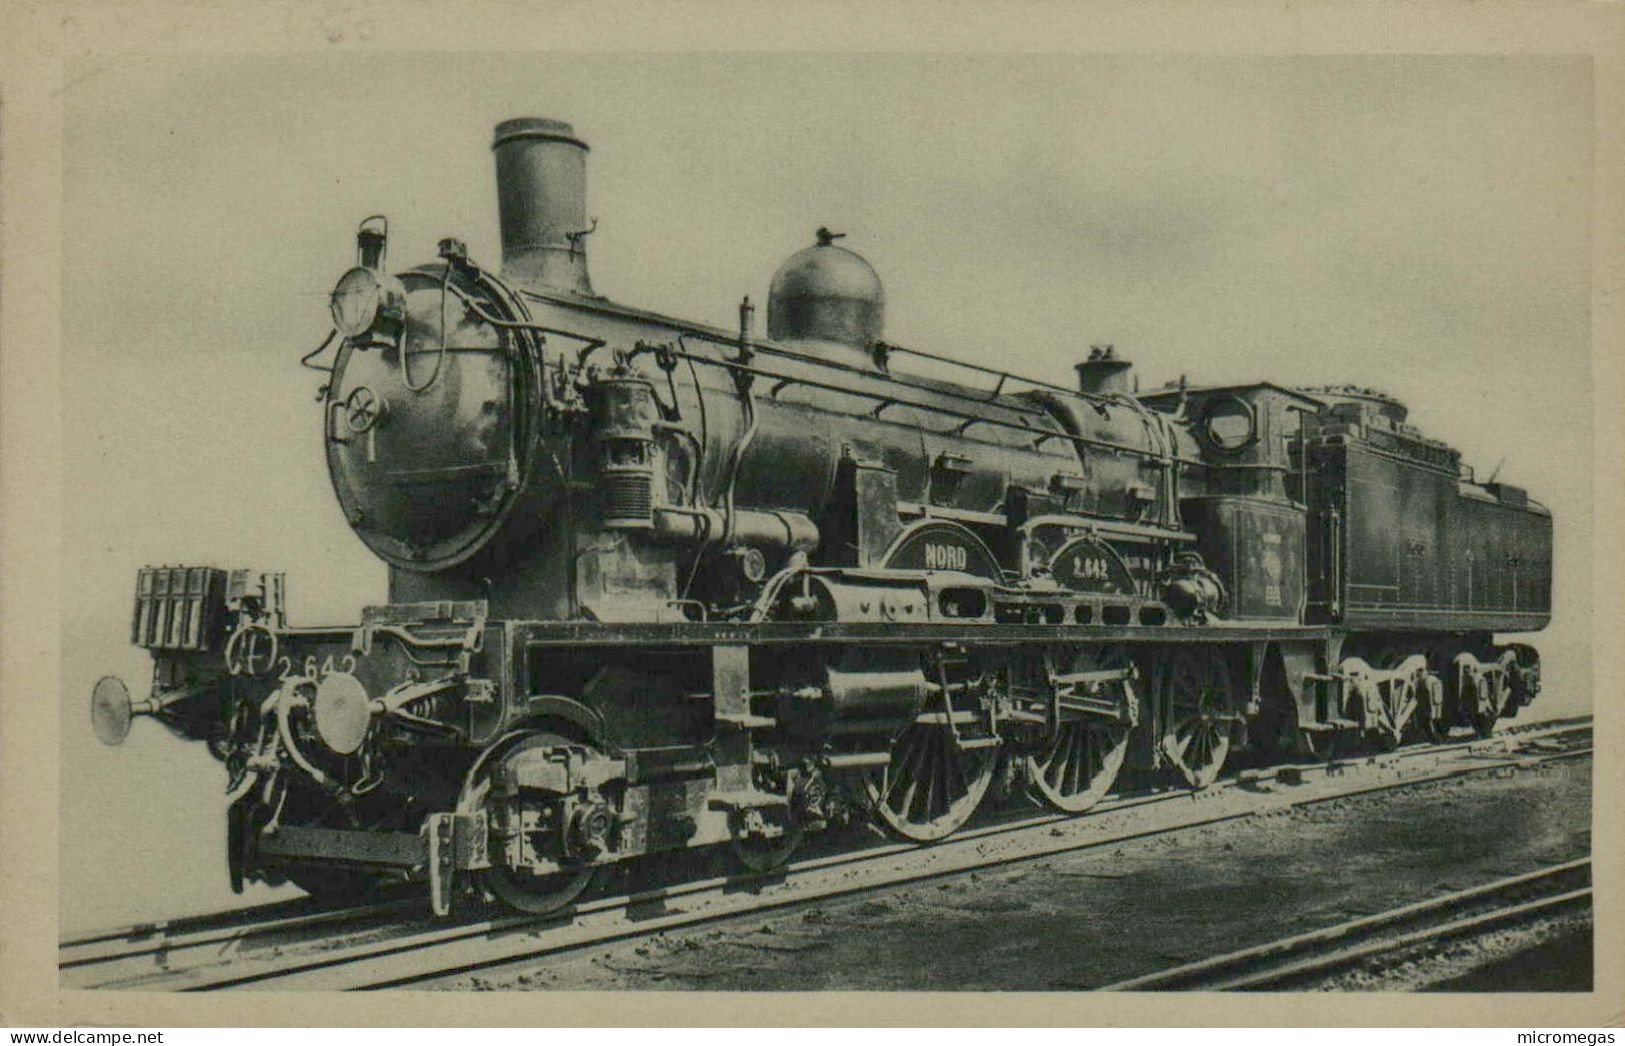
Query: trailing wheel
{"x": 1195, "y": 694}
{"x": 516, "y": 886}
{"x": 1288, "y": 722}
{"x": 1077, "y": 763}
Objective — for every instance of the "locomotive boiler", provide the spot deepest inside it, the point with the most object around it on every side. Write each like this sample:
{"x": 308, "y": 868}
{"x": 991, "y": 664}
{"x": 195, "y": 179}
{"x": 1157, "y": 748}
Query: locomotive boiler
{"x": 655, "y": 585}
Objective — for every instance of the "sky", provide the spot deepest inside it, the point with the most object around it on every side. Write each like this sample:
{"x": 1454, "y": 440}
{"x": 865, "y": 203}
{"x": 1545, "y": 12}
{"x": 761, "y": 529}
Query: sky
{"x": 1418, "y": 224}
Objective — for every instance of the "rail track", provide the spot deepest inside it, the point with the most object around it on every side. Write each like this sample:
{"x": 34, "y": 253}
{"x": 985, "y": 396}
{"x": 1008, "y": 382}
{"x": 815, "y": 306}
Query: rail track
{"x": 387, "y": 944}
{"x": 138, "y": 949}
{"x": 1309, "y": 956}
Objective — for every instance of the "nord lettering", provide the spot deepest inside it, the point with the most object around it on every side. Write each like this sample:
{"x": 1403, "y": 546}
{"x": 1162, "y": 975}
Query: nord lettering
{"x": 945, "y": 557}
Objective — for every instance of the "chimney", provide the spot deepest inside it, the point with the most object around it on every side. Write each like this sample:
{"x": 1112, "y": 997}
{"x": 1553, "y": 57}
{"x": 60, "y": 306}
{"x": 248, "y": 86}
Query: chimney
{"x": 542, "y": 205}
{"x": 1104, "y": 373}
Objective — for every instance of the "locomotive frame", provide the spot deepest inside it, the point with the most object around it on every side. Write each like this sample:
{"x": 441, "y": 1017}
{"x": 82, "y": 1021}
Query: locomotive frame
{"x": 901, "y": 593}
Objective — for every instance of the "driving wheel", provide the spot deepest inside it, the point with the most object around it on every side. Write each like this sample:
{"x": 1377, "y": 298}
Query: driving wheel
{"x": 1195, "y": 693}
{"x": 1078, "y": 763}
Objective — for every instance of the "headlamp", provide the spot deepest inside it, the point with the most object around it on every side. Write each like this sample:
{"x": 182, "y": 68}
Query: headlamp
{"x": 367, "y": 301}
{"x": 355, "y": 302}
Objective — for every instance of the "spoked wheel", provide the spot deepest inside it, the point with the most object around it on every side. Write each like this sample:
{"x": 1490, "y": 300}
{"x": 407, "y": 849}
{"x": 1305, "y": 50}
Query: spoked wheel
{"x": 1398, "y": 697}
{"x": 516, "y": 887}
{"x": 933, "y": 783}
{"x": 1196, "y": 695}
{"x": 1078, "y": 765}
{"x": 1499, "y": 683}
{"x": 1406, "y": 703}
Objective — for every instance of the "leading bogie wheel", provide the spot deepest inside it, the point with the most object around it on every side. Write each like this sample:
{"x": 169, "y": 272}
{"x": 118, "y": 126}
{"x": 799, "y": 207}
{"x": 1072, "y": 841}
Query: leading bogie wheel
{"x": 1195, "y": 693}
{"x": 517, "y": 887}
{"x": 535, "y": 894}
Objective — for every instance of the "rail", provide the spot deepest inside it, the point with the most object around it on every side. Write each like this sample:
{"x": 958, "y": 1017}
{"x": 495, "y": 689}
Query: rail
{"x": 1325, "y": 951}
{"x": 161, "y": 942}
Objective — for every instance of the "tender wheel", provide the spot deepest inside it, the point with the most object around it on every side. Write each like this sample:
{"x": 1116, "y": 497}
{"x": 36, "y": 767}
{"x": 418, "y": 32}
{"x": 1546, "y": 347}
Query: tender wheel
{"x": 1195, "y": 693}
{"x": 517, "y": 887}
{"x": 1079, "y": 764}
{"x": 933, "y": 783}
{"x": 1398, "y": 697}
{"x": 1409, "y": 703}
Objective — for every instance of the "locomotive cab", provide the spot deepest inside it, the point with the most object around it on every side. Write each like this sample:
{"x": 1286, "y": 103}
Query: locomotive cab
{"x": 1247, "y": 504}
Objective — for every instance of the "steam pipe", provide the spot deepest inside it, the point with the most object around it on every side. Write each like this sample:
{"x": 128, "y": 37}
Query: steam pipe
{"x": 787, "y": 531}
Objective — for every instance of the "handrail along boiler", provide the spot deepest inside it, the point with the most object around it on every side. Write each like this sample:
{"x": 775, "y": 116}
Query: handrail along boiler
{"x": 655, "y": 585}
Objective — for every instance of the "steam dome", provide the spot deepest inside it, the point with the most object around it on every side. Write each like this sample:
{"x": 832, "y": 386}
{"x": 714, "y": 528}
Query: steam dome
{"x": 826, "y": 293}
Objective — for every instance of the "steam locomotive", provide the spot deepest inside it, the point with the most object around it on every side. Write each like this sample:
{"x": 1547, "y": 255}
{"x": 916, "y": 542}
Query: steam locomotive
{"x": 655, "y": 585}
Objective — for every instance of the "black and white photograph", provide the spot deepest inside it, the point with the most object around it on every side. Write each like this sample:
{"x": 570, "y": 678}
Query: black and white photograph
{"x": 820, "y": 521}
